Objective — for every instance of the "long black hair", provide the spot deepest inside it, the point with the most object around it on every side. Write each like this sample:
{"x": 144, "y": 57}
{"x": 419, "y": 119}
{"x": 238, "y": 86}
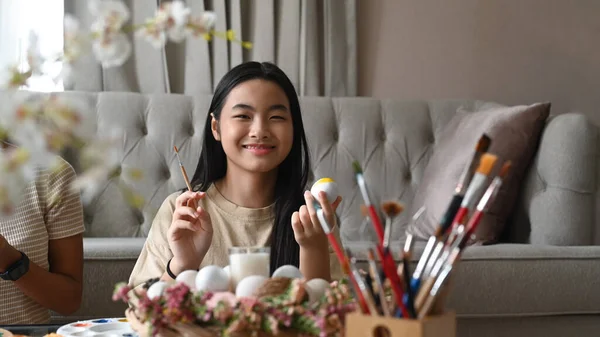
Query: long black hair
{"x": 293, "y": 173}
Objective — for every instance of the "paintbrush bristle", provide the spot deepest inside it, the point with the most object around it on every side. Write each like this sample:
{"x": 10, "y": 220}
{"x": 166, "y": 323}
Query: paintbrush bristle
{"x": 484, "y": 143}
{"x": 356, "y": 167}
{"x": 364, "y": 210}
{"x": 486, "y": 164}
{"x": 505, "y": 168}
{"x": 392, "y": 208}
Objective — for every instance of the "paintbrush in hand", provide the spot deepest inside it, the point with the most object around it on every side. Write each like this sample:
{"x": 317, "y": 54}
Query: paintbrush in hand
{"x": 190, "y": 203}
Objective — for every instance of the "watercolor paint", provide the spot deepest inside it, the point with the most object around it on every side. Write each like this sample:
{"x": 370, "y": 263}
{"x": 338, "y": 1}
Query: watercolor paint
{"x": 100, "y": 327}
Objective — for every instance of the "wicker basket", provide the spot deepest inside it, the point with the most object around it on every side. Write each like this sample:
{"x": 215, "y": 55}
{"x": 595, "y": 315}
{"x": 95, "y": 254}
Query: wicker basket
{"x": 273, "y": 286}
{"x": 192, "y": 330}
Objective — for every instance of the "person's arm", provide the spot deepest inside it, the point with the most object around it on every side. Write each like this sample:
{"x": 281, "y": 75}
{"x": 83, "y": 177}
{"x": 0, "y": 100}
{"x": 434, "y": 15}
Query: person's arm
{"x": 60, "y": 288}
{"x": 314, "y": 262}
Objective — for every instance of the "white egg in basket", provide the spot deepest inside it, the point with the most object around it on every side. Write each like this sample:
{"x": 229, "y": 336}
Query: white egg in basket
{"x": 188, "y": 277}
{"x": 212, "y": 278}
{"x": 156, "y": 289}
{"x": 327, "y": 185}
{"x": 316, "y": 288}
{"x": 249, "y": 284}
{"x": 288, "y": 271}
{"x": 227, "y": 269}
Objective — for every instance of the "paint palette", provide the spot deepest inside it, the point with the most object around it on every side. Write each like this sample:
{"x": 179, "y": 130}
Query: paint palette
{"x": 5, "y": 333}
{"x": 104, "y": 327}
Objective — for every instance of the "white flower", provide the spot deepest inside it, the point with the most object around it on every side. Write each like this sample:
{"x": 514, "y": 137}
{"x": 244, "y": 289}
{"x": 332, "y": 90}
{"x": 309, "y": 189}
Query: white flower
{"x": 202, "y": 24}
{"x": 112, "y": 51}
{"x": 113, "y": 14}
{"x": 111, "y": 46}
{"x": 179, "y": 19}
{"x": 153, "y": 34}
{"x": 208, "y": 20}
{"x": 179, "y": 13}
{"x": 170, "y": 21}
{"x": 74, "y": 40}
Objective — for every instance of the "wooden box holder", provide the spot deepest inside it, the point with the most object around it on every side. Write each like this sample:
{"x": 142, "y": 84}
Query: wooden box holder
{"x": 359, "y": 325}
{"x": 439, "y": 323}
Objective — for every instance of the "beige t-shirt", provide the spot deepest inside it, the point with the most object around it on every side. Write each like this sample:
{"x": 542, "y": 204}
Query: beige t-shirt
{"x": 49, "y": 211}
{"x": 233, "y": 226}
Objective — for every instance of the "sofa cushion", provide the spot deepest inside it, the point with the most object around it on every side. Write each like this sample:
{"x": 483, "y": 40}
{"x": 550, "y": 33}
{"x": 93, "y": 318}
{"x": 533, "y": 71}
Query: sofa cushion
{"x": 515, "y": 133}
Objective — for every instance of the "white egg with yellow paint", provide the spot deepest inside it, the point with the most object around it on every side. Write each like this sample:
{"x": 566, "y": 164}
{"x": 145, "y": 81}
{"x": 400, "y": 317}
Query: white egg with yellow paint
{"x": 327, "y": 185}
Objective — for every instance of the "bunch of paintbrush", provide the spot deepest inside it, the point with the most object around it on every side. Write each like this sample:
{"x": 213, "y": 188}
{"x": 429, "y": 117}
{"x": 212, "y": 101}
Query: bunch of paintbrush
{"x": 388, "y": 277}
{"x": 473, "y": 197}
{"x": 392, "y": 290}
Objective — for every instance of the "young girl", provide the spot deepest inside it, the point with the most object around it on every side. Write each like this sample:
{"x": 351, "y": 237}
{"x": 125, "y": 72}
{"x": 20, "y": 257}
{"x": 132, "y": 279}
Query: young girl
{"x": 249, "y": 186}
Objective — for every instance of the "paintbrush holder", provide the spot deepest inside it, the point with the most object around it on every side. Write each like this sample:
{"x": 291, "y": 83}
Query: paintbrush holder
{"x": 360, "y": 325}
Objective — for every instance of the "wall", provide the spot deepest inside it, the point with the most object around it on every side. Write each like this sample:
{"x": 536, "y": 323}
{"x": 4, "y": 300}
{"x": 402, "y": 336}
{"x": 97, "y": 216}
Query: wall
{"x": 510, "y": 51}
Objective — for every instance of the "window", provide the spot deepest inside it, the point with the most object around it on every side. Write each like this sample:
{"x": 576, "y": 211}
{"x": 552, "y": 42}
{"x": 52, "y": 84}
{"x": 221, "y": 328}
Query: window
{"x": 44, "y": 18}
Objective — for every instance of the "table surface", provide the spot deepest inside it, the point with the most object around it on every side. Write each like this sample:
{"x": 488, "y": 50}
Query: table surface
{"x": 33, "y": 330}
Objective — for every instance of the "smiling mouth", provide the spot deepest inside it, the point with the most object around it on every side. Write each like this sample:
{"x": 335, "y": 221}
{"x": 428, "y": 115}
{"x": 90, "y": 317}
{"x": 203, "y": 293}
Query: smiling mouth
{"x": 258, "y": 147}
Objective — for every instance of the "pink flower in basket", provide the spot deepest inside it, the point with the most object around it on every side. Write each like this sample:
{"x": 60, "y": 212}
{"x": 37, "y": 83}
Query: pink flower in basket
{"x": 121, "y": 292}
{"x": 222, "y": 304}
{"x": 225, "y": 297}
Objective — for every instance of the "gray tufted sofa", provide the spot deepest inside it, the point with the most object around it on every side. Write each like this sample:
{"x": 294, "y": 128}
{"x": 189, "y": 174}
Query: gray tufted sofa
{"x": 544, "y": 280}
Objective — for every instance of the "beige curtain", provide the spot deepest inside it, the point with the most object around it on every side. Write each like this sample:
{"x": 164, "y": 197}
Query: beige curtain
{"x": 313, "y": 41}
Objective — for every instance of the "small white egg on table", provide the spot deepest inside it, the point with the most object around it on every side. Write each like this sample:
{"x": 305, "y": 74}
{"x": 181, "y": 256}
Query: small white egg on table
{"x": 188, "y": 277}
{"x": 288, "y": 271}
{"x": 249, "y": 284}
{"x": 156, "y": 289}
{"x": 212, "y": 278}
{"x": 327, "y": 185}
{"x": 316, "y": 288}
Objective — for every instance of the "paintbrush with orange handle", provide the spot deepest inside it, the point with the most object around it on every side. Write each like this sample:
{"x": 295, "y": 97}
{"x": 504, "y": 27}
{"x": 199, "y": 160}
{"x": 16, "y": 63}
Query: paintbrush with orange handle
{"x": 473, "y": 194}
{"x": 481, "y": 147}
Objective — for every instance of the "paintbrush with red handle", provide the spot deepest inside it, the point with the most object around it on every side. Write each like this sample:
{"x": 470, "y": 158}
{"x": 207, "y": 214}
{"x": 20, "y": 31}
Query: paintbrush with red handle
{"x": 387, "y": 261}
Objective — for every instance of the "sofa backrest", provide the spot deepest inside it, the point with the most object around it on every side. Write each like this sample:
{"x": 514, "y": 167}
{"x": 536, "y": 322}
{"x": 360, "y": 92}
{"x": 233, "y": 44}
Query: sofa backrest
{"x": 391, "y": 139}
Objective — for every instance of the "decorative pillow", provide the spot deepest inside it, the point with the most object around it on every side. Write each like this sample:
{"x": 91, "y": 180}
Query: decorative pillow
{"x": 515, "y": 133}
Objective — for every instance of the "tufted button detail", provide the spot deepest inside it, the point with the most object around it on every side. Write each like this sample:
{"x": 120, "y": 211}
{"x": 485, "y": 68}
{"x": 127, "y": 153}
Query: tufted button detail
{"x": 144, "y": 130}
{"x": 408, "y": 176}
{"x": 336, "y": 135}
{"x": 383, "y": 137}
{"x": 167, "y": 174}
{"x": 191, "y": 132}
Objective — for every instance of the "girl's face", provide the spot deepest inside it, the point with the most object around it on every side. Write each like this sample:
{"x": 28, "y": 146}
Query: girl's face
{"x": 255, "y": 127}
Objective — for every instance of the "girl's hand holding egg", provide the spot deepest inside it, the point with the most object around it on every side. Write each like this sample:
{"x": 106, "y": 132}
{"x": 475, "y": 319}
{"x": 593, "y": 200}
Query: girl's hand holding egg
{"x": 307, "y": 228}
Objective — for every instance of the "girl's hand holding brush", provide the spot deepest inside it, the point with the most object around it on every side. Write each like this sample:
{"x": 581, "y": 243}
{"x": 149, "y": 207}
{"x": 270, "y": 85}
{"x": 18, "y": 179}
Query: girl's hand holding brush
{"x": 190, "y": 233}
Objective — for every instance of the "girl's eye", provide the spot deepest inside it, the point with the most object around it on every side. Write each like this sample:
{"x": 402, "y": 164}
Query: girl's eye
{"x": 278, "y": 117}
{"x": 241, "y": 116}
